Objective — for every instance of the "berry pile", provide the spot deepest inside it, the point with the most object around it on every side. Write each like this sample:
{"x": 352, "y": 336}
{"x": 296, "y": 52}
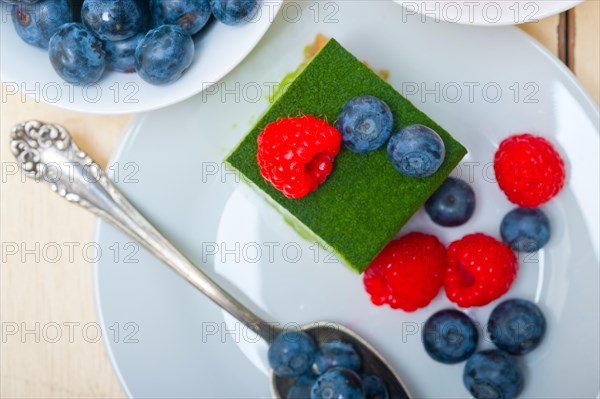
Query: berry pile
{"x": 516, "y": 327}
{"x": 365, "y": 123}
{"x": 530, "y": 172}
{"x": 296, "y": 154}
{"x": 409, "y": 272}
{"x": 332, "y": 370}
{"x": 477, "y": 269}
{"x": 150, "y": 37}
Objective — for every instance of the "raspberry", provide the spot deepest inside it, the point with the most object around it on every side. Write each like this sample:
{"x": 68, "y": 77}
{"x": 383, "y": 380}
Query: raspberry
{"x": 296, "y": 154}
{"x": 408, "y": 273}
{"x": 529, "y": 170}
{"x": 480, "y": 269}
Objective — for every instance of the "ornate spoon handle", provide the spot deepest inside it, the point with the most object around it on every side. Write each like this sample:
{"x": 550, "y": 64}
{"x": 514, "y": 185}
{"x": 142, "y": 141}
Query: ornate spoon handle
{"x": 46, "y": 152}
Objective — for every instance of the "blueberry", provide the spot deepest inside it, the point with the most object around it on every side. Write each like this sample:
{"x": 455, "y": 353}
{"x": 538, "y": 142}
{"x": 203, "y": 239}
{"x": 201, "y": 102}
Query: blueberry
{"x": 76, "y": 54}
{"x": 493, "y": 374}
{"x": 21, "y": 1}
{"x": 120, "y": 55}
{"x": 374, "y": 387}
{"x": 339, "y": 383}
{"x": 337, "y": 354}
{"x": 292, "y": 353}
{"x": 516, "y": 326}
{"x": 525, "y": 229}
{"x": 76, "y": 9}
{"x": 365, "y": 123}
{"x": 452, "y": 204}
{"x": 233, "y": 12}
{"x": 164, "y": 54}
{"x": 112, "y": 19}
{"x": 416, "y": 151}
{"x": 190, "y": 15}
{"x": 146, "y": 15}
{"x": 449, "y": 336}
{"x": 35, "y": 23}
{"x": 302, "y": 386}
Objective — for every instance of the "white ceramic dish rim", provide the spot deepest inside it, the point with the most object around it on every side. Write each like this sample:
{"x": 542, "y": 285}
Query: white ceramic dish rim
{"x": 562, "y": 5}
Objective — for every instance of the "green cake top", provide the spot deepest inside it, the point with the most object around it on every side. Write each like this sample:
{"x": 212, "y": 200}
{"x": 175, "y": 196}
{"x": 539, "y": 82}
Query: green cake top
{"x": 365, "y": 201}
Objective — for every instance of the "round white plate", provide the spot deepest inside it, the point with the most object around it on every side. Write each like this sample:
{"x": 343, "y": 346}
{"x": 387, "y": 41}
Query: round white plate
{"x": 169, "y": 164}
{"x": 26, "y": 70}
{"x": 486, "y": 12}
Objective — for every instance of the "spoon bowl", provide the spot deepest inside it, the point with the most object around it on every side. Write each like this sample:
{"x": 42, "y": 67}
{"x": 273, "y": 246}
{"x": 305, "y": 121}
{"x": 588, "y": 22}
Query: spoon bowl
{"x": 372, "y": 362}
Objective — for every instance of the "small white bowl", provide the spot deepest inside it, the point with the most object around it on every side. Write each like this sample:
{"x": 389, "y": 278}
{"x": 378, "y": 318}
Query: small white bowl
{"x": 26, "y": 70}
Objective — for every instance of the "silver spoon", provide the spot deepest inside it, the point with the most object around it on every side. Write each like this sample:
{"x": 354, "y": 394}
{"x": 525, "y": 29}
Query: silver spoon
{"x": 46, "y": 152}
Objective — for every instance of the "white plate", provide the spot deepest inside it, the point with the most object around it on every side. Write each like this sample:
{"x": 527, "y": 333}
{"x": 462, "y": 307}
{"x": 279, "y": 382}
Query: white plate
{"x": 487, "y": 12}
{"x": 26, "y": 69}
{"x": 189, "y": 348}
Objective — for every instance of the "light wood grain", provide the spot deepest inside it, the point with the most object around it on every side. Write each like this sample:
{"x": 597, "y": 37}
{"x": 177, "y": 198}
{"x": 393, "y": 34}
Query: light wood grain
{"x": 545, "y": 31}
{"x": 60, "y": 292}
{"x": 45, "y": 292}
{"x": 587, "y": 43}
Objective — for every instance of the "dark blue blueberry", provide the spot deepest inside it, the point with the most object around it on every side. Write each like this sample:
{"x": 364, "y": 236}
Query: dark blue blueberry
{"x": 76, "y": 9}
{"x": 493, "y": 374}
{"x": 416, "y": 151}
{"x": 191, "y": 15}
{"x": 452, "y": 204}
{"x": 76, "y": 54}
{"x": 517, "y": 326}
{"x": 120, "y": 55}
{"x": 21, "y": 1}
{"x": 449, "y": 336}
{"x": 164, "y": 54}
{"x": 146, "y": 15}
{"x": 302, "y": 386}
{"x": 292, "y": 353}
{"x": 365, "y": 123}
{"x": 525, "y": 229}
{"x": 374, "y": 387}
{"x": 35, "y": 23}
{"x": 112, "y": 19}
{"x": 337, "y": 354}
{"x": 233, "y": 12}
{"x": 339, "y": 383}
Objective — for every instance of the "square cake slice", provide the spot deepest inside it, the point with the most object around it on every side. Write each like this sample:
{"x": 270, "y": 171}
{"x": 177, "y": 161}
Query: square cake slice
{"x": 365, "y": 201}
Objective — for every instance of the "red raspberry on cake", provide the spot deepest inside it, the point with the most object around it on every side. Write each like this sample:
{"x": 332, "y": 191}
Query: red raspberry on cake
{"x": 408, "y": 273}
{"x": 529, "y": 170}
{"x": 480, "y": 269}
{"x": 296, "y": 154}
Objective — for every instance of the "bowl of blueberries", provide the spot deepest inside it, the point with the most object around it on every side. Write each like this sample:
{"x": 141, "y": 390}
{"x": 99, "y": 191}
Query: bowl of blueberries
{"x": 124, "y": 56}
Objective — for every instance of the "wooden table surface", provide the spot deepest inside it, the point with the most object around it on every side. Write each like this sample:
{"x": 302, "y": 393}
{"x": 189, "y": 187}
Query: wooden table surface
{"x": 39, "y": 297}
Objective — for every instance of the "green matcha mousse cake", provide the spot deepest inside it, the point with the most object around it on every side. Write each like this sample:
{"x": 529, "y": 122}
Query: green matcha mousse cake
{"x": 365, "y": 201}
